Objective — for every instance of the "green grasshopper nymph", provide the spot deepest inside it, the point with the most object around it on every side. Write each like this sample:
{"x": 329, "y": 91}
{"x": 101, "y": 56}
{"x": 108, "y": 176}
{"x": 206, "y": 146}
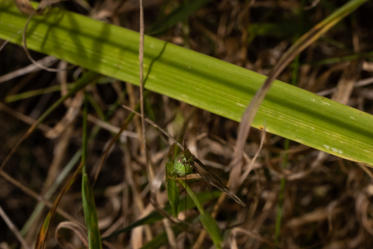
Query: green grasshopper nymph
{"x": 182, "y": 163}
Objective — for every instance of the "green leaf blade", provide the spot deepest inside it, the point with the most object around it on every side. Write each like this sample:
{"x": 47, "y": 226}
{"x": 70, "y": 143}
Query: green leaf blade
{"x": 207, "y": 221}
{"x": 173, "y": 196}
{"x": 197, "y": 79}
{"x": 90, "y": 214}
{"x": 212, "y": 229}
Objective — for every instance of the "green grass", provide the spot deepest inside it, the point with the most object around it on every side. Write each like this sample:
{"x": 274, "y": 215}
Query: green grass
{"x": 88, "y": 197}
{"x": 197, "y": 79}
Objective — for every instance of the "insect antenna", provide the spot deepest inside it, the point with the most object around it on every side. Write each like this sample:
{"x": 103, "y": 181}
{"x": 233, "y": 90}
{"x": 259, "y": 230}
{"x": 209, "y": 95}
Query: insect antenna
{"x": 152, "y": 123}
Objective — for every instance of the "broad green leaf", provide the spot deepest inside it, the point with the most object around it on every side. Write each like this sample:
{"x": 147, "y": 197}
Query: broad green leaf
{"x": 197, "y": 79}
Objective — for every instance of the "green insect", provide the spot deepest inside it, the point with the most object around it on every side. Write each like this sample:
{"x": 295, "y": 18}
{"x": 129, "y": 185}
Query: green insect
{"x": 181, "y": 165}
{"x": 178, "y": 165}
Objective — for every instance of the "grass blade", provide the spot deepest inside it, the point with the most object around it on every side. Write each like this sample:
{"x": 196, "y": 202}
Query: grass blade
{"x": 89, "y": 207}
{"x": 184, "y": 204}
{"x": 90, "y": 215}
{"x": 39, "y": 207}
{"x": 207, "y": 221}
{"x": 44, "y": 230}
{"x": 161, "y": 239}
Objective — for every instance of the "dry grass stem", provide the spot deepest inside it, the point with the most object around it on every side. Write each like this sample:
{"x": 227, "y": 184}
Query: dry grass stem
{"x": 13, "y": 228}
{"x": 46, "y": 61}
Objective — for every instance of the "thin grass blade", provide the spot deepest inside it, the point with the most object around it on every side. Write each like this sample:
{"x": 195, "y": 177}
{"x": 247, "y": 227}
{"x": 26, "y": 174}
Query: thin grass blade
{"x": 89, "y": 206}
{"x": 184, "y": 204}
{"x": 207, "y": 221}
{"x": 44, "y": 230}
